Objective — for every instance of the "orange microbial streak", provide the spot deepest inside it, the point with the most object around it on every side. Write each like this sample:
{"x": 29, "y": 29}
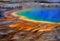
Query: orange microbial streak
{"x": 22, "y": 25}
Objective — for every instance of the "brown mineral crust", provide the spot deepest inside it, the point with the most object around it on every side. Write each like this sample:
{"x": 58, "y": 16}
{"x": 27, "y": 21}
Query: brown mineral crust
{"x": 52, "y": 35}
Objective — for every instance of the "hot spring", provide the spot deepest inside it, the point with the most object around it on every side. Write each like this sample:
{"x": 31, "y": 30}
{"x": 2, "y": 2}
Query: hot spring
{"x": 41, "y": 14}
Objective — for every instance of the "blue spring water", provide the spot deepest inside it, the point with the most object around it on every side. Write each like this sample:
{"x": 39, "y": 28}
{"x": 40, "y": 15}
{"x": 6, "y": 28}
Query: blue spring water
{"x": 42, "y": 14}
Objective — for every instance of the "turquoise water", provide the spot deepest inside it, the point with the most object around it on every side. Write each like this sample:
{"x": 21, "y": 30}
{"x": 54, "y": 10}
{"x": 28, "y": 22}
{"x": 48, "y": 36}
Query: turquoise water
{"x": 42, "y": 14}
